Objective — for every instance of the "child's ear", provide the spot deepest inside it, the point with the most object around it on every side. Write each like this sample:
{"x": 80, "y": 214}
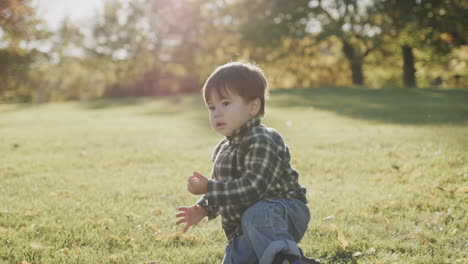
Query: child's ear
{"x": 255, "y": 106}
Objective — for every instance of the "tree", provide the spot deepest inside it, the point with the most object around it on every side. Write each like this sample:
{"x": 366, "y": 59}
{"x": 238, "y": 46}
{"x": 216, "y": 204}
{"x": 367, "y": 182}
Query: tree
{"x": 19, "y": 27}
{"x": 355, "y": 23}
{"x": 423, "y": 24}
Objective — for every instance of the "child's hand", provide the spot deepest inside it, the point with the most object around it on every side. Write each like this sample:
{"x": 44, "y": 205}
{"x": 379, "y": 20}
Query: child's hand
{"x": 197, "y": 184}
{"x": 191, "y": 215}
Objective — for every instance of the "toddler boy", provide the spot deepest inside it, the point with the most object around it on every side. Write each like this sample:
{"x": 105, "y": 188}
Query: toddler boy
{"x": 253, "y": 186}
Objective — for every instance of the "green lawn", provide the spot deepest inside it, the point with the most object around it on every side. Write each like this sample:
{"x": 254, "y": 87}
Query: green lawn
{"x": 99, "y": 182}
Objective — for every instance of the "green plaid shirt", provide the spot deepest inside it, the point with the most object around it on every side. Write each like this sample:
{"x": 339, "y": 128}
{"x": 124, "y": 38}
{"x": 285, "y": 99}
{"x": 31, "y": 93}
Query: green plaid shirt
{"x": 251, "y": 165}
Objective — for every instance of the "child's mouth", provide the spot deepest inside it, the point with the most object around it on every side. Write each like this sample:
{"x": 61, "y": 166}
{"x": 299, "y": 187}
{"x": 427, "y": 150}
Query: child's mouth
{"x": 219, "y": 125}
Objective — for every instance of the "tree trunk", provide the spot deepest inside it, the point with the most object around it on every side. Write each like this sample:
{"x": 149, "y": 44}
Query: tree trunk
{"x": 409, "y": 70}
{"x": 355, "y": 63}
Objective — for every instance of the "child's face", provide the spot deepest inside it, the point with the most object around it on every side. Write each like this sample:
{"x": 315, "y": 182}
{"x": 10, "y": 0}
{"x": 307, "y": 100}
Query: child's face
{"x": 229, "y": 112}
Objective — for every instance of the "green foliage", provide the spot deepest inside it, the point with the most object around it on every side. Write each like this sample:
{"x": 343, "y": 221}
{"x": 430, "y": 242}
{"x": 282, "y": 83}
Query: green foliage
{"x": 154, "y": 48}
{"x": 100, "y": 181}
{"x": 19, "y": 27}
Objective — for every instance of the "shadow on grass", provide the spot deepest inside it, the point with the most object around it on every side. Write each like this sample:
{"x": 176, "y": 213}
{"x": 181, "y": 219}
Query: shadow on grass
{"x": 339, "y": 257}
{"x": 391, "y": 105}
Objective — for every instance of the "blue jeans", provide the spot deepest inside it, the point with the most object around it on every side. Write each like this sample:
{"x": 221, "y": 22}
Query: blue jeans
{"x": 269, "y": 227}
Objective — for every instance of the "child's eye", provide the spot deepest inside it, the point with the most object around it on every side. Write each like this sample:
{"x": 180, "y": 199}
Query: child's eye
{"x": 211, "y": 108}
{"x": 226, "y": 103}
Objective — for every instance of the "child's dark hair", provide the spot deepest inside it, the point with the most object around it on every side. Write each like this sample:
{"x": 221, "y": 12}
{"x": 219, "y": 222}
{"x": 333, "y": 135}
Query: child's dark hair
{"x": 242, "y": 78}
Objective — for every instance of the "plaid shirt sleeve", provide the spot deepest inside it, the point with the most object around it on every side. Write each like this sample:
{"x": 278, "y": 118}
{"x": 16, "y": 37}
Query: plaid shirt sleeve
{"x": 213, "y": 210}
{"x": 262, "y": 165}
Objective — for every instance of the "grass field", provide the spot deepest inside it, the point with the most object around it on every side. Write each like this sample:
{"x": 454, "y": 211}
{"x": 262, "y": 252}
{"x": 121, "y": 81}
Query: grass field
{"x": 99, "y": 182}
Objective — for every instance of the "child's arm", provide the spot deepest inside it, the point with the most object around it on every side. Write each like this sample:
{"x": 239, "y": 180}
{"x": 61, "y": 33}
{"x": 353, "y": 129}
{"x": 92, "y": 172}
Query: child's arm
{"x": 191, "y": 215}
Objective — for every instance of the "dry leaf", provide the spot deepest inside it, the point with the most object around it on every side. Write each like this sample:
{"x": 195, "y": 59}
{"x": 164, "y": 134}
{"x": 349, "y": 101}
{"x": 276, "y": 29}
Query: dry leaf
{"x": 108, "y": 222}
{"x": 328, "y": 218}
{"x": 25, "y": 262}
{"x": 151, "y": 226}
{"x": 129, "y": 239}
{"x": 65, "y": 251}
{"x": 3, "y": 231}
{"x": 113, "y": 257}
{"x": 82, "y": 185}
{"x": 131, "y": 216}
{"x": 36, "y": 245}
{"x": 113, "y": 238}
{"x": 179, "y": 238}
{"x": 385, "y": 219}
{"x": 157, "y": 211}
{"x": 357, "y": 254}
{"x": 339, "y": 211}
{"x": 151, "y": 262}
{"x": 32, "y": 213}
{"x": 341, "y": 237}
{"x": 462, "y": 190}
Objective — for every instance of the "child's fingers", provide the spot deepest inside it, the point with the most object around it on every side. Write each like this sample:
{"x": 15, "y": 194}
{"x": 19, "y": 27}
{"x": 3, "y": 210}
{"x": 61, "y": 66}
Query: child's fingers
{"x": 182, "y": 220}
{"x": 183, "y": 208}
{"x": 192, "y": 179}
{"x": 181, "y": 214}
{"x": 197, "y": 175}
{"x": 187, "y": 226}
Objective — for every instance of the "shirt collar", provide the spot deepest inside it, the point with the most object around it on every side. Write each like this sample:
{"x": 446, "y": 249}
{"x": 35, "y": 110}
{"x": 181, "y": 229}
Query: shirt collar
{"x": 239, "y": 133}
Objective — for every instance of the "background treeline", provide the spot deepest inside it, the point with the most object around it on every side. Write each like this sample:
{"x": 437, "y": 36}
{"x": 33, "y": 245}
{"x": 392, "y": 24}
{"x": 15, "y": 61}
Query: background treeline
{"x": 159, "y": 47}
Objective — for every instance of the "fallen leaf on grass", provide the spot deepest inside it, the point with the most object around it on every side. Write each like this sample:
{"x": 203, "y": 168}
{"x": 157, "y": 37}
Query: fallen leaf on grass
{"x": 131, "y": 215}
{"x": 385, "y": 219}
{"x": 328, "y": 218}
{"x": 63, "y": 193}
{"x": 65, "y": 251}
{"x": 32, "y": 213}
{"x": 339, "y": 211}
{"x": 3, "y": 231}
{"x": 108, "y": 222}
{"x": 113, "y": 238}
{"x": 58, "y": 227}
{"x": 25, "y": 262}
{"x": 113, "y": 258}
{"x": 357, "y": 254}
{"x": 157, "y": 211}
{"x": 152, "y": 227}
{"x": 462, "y": 190}
{"x": 341, "y": 237}
{"x": 431, "y": 194}
{"x": 178, "y": 238}
{"x": 36, "y": 245}
{"x": 129, "y": 239}
{"x": 82, "y": 185}
{"x": 151, "y": 262}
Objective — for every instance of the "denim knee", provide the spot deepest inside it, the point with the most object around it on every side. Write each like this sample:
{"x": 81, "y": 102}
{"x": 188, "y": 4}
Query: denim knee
{"x": 264, "y": 214}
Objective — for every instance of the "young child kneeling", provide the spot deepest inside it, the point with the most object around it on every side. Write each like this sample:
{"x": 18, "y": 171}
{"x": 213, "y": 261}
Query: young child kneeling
{"x": 253, "y": 186}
